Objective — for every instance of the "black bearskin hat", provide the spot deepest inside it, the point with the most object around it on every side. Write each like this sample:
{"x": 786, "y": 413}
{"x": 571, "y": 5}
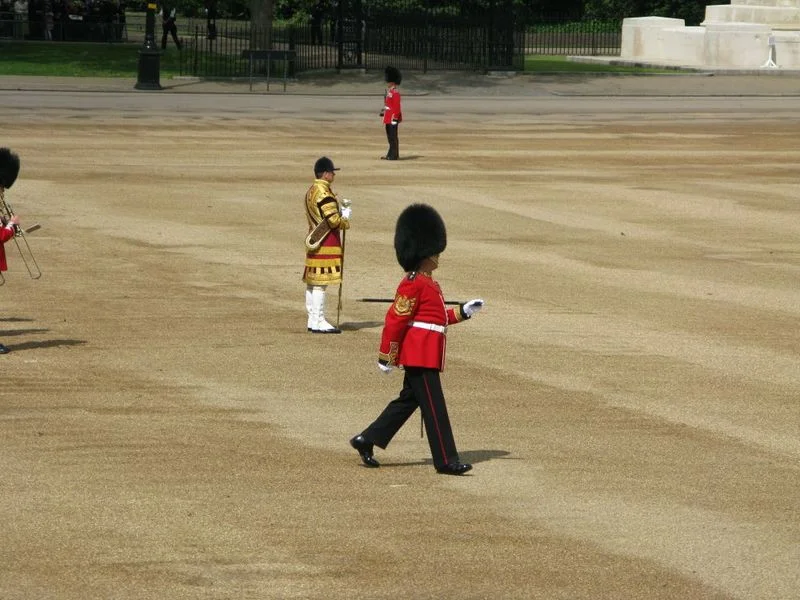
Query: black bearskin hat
{"x": 322, "y": 165}
{"x": 419, "y": 234}
{"x": 393, "y": 75}
{"x": 9, "y": 168}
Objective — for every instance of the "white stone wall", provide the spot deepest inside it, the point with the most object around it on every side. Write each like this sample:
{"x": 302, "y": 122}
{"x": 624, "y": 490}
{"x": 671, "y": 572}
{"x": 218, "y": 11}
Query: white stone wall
{"x": 735, "y": 35}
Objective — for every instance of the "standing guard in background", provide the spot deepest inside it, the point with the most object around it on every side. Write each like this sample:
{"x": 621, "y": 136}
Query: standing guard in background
{"x": 414, "y": 339}
{"x": 327, "y": 221}
{"x": 392, "y": 113}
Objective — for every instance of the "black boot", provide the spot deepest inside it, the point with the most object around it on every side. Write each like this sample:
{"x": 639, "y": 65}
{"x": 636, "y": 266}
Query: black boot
{"x": 455, "y": 468}
{"x": 364, "y": 449}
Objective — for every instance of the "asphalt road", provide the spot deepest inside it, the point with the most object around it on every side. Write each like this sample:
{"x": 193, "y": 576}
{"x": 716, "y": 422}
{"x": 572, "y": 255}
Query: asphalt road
{"x": 419, "y": 107}
{"x": 426, "y": 97}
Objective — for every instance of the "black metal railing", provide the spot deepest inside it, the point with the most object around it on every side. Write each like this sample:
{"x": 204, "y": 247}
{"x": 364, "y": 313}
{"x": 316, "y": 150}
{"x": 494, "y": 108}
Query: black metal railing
{"x": 416, "y": 48}
{"x": 584, "y": 38}
{"x": 115, "y": 27}
{"x": 416, "y": 45}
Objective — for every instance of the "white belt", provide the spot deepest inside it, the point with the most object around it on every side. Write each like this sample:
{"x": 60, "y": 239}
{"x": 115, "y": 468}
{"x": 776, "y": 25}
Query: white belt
{"x": 430, "y": 326}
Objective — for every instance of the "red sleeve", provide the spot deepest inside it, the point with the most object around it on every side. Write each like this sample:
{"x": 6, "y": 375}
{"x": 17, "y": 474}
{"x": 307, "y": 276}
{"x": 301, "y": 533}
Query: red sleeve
{"x": 398, "y": 316}
{"x": 6, "y": 233}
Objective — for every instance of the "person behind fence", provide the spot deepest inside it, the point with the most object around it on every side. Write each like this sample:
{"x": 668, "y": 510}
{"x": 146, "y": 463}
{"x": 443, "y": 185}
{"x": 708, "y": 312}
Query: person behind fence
{"x": 122, "y": 26}
{"x": 392, "y": 112}
{"x": 317, "y": 16}
{"x": 413, "y": 338}
{"x": 49, "y": 21}
{"x": 328, "y": 218}
{"x": 168, "y": 26}
{"x": 20, "y": 19}
{"x": 211, "y": 19}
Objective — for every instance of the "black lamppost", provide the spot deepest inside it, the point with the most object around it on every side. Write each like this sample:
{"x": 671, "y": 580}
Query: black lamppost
{"x": 149, "y": 55}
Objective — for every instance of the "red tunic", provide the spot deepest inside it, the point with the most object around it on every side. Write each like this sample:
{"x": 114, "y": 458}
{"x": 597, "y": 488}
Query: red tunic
{"x": 6, "y": 233}
{"x": 418, "y": 300}
{"x": 391, "y": 106}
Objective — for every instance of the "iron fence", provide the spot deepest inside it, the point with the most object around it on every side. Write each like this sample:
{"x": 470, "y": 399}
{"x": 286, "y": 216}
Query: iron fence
{"x": 62, "y": 30}
{"x": 582, "y": 38}
{"x": 415, "y": 44}
{"x": 423, "y": 47}
{"x": 122, "y": 27}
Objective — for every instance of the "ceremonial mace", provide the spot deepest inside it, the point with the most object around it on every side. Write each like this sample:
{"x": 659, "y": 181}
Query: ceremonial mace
{"x": 345, "y": 204}
{"x": 390, "y": 300}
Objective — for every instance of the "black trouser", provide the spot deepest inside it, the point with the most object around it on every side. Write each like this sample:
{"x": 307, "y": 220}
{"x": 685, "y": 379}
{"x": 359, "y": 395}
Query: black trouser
{"x": 421, "y": 388}
{"x": 394, "y": 142}
{"x": 173, "y": 29}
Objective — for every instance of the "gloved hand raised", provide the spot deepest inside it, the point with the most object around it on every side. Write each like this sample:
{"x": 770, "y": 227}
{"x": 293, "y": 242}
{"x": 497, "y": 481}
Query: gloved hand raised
{"x": 471, "y": 307}
{"x": 385, "y": 368}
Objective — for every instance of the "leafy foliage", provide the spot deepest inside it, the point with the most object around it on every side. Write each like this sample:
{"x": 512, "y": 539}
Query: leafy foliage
{"x": 303, "y": 11}
{"x": 692, "y": 11}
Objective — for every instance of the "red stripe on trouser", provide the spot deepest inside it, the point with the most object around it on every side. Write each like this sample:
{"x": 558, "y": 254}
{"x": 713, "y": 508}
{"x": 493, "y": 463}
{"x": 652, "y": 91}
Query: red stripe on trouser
{"x": 435, "y": 420}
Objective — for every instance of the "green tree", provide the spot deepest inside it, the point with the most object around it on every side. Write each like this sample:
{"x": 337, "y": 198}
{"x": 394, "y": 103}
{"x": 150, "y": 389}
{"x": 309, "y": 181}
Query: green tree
{"x": 692, "y": 11}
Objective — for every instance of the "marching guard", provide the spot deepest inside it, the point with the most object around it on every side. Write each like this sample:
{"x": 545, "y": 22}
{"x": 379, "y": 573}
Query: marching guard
{"x": 413, "y": 338}
{"x": 328, "y": 219}
{"x": 9, "y": 169}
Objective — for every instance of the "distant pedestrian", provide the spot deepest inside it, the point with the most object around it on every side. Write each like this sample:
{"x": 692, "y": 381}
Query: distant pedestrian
{"x": 20, "y": 19}
{"x": 122, "y": 22}
{"x": 49, "y": 21}
{"x": 211, "y": 20}
{"x": 168, "y": 26}
{"x": 317, "y": 16}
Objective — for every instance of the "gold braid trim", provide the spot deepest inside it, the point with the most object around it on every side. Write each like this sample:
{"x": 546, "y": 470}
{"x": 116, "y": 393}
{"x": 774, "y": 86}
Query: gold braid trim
{"x": 390, "y": 358}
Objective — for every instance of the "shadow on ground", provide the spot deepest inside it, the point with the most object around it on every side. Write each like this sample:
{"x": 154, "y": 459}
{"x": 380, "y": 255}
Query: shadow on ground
{"x": 44, "y": 344}
{"x": 470, "y": 456}
{"x": 356, "y": 325}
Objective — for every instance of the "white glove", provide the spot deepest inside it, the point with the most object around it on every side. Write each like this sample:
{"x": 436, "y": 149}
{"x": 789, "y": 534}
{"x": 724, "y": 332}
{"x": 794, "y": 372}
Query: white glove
{"x": 385, "y": 368}
{"x": 346, "y": 212}
{"x": 394, "y": 122}
{"x": 471, "y": 307}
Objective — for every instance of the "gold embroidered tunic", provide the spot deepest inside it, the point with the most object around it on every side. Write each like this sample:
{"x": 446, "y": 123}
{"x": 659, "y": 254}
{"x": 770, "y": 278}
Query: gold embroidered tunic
{"x": 323, "y": 266}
